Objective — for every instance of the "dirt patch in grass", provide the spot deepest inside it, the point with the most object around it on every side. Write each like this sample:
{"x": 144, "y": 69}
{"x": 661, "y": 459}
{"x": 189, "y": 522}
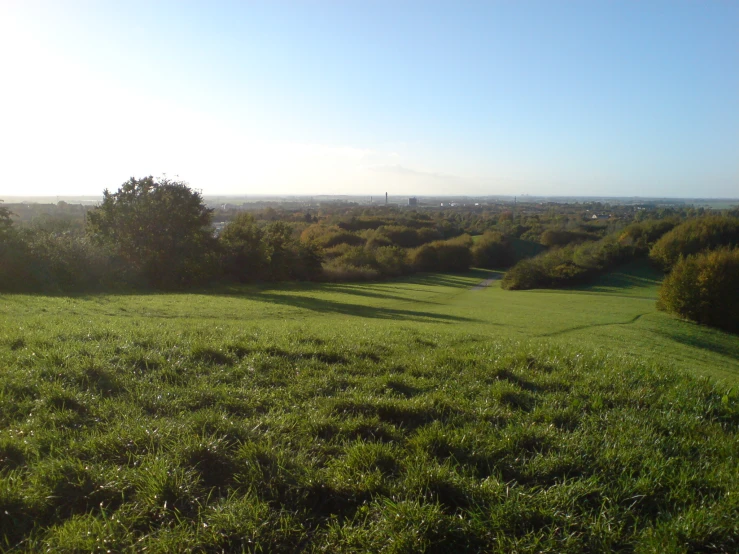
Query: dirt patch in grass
{"x": 486, "y": 283}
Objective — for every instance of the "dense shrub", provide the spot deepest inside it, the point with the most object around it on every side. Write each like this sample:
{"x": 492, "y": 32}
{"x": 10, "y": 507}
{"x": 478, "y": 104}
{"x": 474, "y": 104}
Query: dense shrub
{"x": 329, "y": 236}
{"x": 408, "y": 237}
{"x": 444, "y": 255}
{"x": 560, "y": 237}
{"x": 601, "y": 255}
{"x": 287, "y": 257}
{"x": 243, "y": 250}
{"x": 567, "y": 266}
{"x": 336, "y": 271}
{"x": 375, "y": 239}
{"x": 644, "y": 234}
{"x": 693, "y": 237}
{"x": 391, "y": 261}
{"x": 306, "y": 263}
{"x": 551, "y": 269}
{"x": 705, "y": 288}
{"x": 493, "y": 250}
{"x": 32, "y": 260}
{"x": 362, "y": 263}
{"x": 361, "y": 223}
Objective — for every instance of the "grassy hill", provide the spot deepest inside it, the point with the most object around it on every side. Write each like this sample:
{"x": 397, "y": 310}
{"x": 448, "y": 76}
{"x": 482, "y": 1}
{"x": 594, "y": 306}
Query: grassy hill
{"x": 405, "y": 416}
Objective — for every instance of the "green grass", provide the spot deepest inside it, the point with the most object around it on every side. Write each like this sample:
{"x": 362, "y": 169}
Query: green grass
{"x": 406, "y": 416}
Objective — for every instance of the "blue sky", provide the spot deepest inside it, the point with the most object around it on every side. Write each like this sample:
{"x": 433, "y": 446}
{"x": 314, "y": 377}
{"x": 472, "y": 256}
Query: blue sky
{"x": 554, "y": 98}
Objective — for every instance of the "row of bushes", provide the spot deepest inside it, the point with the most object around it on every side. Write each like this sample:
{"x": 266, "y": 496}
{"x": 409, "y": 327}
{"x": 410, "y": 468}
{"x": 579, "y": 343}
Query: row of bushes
{"x": 367, "y": 262}
{"x": 569, "y": 265}
{"x": 37, "y": 260}
{"x": 665, "y": 241}
{"x": 701, "y": 256}
{"x": 329, "y": 236}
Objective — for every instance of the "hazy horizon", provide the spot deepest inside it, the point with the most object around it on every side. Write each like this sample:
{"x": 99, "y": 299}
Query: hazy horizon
{"x": 551, "y": 99}
{"x": 379, "y": 199}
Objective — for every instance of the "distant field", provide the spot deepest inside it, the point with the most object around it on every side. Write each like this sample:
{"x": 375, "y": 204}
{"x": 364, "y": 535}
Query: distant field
{"x": 405, "y": 416}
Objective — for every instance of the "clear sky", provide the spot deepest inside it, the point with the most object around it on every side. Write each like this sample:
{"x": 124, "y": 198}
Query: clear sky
{"x": 500, "y": 97}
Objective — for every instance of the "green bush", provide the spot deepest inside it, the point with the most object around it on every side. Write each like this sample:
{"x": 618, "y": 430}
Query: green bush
{"x": 329, "y": 236}
{"x": 32, "y": 260}
{"x": 693, "y": 237}
{"x": 408, "y": 237}
{"x": 644, "y": 234}
{"x": 492, "y": 251}
{"x": 526, "y": 274}
{"x": 392, "y": 261}
{"x": 360, "y": 263}
{"x": 452, "y": 255}
{"x": 337, "y": 271}
{"x": 287, "y": 257}
{"x": 705, "y": 288}
{"x": 566, "y": 266}
{"x": 243, "y": 250}
{"x": 560, "y": 237}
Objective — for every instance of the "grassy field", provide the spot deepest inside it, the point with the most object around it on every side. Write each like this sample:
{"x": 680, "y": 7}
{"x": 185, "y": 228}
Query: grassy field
{"x": 405, "y": 416}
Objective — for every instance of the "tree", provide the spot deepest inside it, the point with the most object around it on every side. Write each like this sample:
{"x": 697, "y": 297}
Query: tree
{"x": 279, "y": 245}
{"x": 704, "y": 288}
{"x": 244, "y": 256}
{"x": 160, "y": 227}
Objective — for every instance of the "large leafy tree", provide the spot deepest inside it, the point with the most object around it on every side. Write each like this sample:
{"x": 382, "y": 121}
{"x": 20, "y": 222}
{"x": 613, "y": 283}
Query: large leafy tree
{"x": 160, "y": 227}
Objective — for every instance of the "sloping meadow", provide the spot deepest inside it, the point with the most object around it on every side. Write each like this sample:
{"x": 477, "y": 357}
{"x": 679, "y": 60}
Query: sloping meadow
{"x": 162, "y": 437}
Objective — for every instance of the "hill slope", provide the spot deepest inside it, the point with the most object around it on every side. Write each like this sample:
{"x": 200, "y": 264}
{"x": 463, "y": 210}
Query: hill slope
{"x": 407, "y": 416}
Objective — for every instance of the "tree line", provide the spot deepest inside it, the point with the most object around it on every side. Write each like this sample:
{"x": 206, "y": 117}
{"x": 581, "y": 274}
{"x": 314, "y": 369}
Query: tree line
{"x": 700, "y": 257}
{"x": 158, "y": 233}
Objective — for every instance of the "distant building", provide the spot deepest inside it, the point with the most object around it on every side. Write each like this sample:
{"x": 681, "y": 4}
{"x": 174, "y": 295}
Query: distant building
{"x": 413, "y": 201}
{"x": 600, "y": 216}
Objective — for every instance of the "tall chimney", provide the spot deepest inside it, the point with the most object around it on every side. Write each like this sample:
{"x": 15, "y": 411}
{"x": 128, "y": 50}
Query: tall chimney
{"x": 386, "y": 198}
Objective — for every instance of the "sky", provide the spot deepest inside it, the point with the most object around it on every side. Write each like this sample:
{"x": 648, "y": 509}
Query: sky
{"x": 591, "y": 98}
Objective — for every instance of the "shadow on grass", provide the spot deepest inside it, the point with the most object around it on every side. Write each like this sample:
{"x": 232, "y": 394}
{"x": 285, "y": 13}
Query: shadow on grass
{"x": 345, "y": 308}
{"x": 362, "y": 290}
{"x": 591, "y": 325}
{"x": 253, "y": 290}
{"x": 447, "y": 280}
{"x": 637, "y": 274}
{"x": 281, "y": 294}
{"x": 699, "y": 338}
